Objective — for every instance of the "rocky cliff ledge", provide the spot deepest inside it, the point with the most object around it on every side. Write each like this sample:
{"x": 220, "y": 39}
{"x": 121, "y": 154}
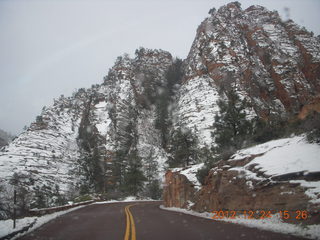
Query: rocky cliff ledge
{"x": 253, "y": 179}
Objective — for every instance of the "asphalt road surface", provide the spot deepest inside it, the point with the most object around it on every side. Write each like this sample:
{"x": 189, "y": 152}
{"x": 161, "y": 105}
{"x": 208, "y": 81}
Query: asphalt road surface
{"x": 141, "y": 221}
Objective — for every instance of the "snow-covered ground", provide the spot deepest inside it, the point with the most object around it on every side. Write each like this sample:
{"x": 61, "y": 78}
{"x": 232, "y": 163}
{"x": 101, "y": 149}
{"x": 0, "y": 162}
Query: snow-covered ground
{"x": 127, "y": 199}
{"x": 6, "y": 226}
{"x": 274, "y": 223}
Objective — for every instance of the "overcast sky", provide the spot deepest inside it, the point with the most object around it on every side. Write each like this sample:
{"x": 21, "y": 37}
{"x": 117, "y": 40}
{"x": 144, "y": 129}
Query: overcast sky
{"x": 52, "y": 47}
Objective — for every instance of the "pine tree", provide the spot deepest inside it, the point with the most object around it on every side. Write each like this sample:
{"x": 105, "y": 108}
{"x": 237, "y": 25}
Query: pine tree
{"x": 153, "y": 189}
{"x": 183, "y": 148}
{"x": 164, "y": 99}
{"x": 23, "y": 196}
{"x": 40, "y": 198}
{"x": 126, "y": 139}
{"x": 162, "y": 121}
{"x": 231, "y": 125}
{"x": 151, "y": 166}
{"x": 133, "y": 178}
{"x": 91, "y": 161}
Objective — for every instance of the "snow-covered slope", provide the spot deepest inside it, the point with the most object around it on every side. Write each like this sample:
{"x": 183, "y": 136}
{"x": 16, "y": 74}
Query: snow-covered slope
{"x": 283, "y": 157}
{"x": 46, "y": 154}
{"x": 53, "y": 152}
{"x": 126, "y": 90}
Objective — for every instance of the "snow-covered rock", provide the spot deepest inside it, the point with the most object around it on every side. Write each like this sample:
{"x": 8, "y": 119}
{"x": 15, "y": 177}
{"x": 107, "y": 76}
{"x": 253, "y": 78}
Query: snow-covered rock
{"x": 279, "y": 175}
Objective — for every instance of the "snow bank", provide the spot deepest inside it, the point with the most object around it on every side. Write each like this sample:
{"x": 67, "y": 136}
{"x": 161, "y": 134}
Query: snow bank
{"x": 6, "y": 226}
{"x": 127, "y": 199}
{"x": 274, "y": 223}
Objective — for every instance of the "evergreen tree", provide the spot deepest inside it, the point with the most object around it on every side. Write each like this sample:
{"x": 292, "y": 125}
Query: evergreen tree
{"x": 59, "y": 199}
{"x": 153, "y": 189}
{"x": 40, "y": 198}
{"x": 126, "y": 139}
{"x": 23, "y": 196}
{"x": 162, "y": 121}
{"x": 118, "y": 169}
{"x": 183, "y": 148}
{"x": 151, "y": 166}
{"x": 164, "y": 99}
{"x": 174, "y": 76}
{"x": 231, "y": 125}
{"x": 209, "y": 159}
{"x": 90, "y": 142}
{"x": 133, "y": 178}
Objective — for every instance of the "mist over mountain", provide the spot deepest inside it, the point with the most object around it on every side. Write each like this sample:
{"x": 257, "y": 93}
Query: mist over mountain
{"x": 5, "y": 138}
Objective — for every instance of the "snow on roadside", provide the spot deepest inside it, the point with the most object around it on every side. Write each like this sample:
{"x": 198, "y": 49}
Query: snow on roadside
{"x": 127, "y": 199}
{"x": 6, "y": 225}
{"x": 190, "y": 173}
{"x": 274, "y": 223}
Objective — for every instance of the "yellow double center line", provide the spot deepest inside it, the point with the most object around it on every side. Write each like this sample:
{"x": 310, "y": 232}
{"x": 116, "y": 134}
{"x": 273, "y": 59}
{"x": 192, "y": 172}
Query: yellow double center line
{"x": 130, "y": 228}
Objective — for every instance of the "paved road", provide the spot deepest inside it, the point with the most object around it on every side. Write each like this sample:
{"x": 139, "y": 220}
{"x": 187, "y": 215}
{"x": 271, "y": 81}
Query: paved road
{"x": 141, "y": 221}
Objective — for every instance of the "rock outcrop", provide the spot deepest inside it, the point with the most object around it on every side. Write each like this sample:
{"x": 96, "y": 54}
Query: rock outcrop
{"x": 179, "y": 191}
{"x": 245, "y": 182}
{"x": 273, "y": 64}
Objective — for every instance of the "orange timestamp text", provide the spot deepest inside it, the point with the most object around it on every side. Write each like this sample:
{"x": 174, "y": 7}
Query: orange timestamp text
{"x": 259, "y": 214}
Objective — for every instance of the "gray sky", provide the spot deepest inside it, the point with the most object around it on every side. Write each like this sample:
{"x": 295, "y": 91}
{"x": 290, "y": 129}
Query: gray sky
{"x": 52, "y": 47}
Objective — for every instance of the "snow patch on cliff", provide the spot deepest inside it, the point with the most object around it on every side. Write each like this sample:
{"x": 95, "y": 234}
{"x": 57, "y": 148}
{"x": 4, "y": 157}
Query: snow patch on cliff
{"x": 191, "y": 174}
{"x": 283, "y": 156}
{"x": 197, "y": 106}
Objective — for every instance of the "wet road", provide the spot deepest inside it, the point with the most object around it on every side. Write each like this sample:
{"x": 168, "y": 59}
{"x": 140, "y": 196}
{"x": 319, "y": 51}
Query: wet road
{"x": 141, "y": 221}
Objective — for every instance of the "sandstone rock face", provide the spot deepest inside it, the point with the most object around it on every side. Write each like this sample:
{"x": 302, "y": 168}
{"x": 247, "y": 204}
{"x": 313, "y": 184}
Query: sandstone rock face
{"x": 50, "y": 152}
{"x": 225, "y": 190}
{"x": 178, "y": 191}
{"x": 274, "y": 64}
